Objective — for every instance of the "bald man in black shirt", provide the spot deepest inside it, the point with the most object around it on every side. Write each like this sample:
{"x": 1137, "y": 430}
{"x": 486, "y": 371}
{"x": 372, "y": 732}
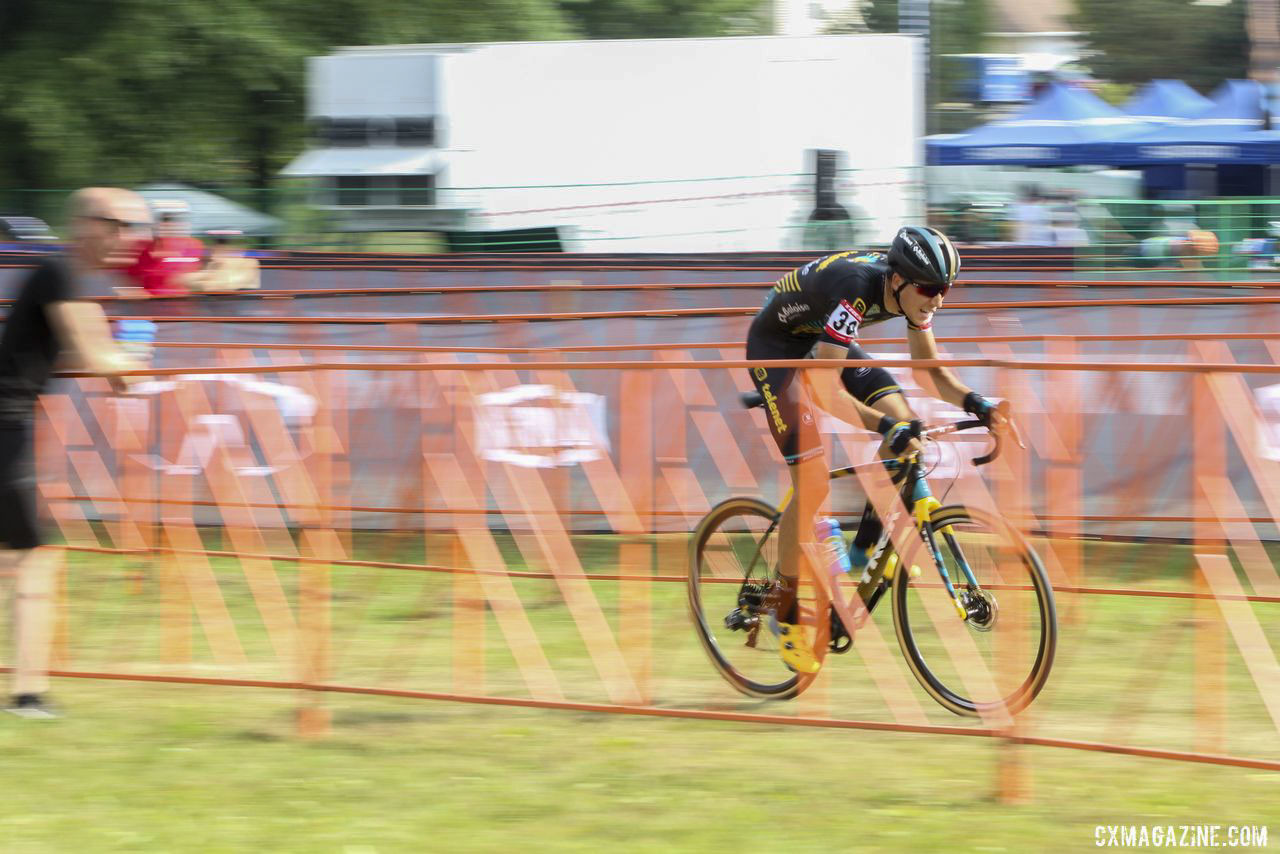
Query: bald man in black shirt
{"x": 46, "y": 324}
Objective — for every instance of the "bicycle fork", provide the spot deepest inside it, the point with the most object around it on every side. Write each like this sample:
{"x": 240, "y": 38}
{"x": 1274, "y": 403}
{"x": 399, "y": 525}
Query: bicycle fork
{"x": 973, "y": 604}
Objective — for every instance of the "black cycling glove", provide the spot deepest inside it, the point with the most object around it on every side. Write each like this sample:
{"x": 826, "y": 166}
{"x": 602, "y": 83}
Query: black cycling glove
{"x": 898, "y": 434}
{"x": 979, "y": 407}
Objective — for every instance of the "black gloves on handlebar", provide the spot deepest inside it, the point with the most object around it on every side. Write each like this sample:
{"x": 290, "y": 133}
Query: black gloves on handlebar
{"x": 979, "y": 407}
{"x": 898, "y": 434}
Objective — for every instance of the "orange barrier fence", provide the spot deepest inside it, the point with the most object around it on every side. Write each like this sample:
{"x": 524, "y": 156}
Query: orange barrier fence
{"x": 746, "y": 311}
{"x": 481, "y": 315}
{"x": 214, "y": 532}
{"x": 1136, "y": 403}
{"x": 579, "y": 287}
{"x": 1179, "y": 337}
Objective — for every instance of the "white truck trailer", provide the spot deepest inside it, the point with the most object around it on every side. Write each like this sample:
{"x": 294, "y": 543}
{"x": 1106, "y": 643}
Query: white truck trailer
{"x": 661, "y": 145}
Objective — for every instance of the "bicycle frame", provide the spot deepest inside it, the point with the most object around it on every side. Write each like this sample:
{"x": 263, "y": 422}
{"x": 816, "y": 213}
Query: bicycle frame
{"x": 834, "y": 614}
{"x": 906, "y": 470}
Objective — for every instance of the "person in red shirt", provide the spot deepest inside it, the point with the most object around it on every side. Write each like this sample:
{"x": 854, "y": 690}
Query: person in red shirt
{"x": 172, "y": 255}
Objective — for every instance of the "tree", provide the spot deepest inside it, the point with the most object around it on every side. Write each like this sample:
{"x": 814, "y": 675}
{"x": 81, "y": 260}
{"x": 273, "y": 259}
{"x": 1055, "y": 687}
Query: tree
{"x": 881, "y": 16}
{"x": 213, "y": 93}
{"x": 196, "y": 90}
{"x": 955, "y": 26}
{"x": 618, "y": 19}
{"x": 1199, "y": 43}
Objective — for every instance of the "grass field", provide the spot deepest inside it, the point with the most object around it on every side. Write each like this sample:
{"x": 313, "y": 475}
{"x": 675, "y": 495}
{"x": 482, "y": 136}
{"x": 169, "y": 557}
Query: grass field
{"x": 170, "y": 768}
{"x": 174, "y": 768}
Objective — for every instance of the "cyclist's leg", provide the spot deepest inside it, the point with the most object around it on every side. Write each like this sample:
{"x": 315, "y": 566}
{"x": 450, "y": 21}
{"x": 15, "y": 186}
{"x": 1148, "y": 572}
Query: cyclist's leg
{"x": 875, "y": 387}
{"x": 809, "y": 487}
{"x": 794, "y": 429}
{"x": 809, "y": 483}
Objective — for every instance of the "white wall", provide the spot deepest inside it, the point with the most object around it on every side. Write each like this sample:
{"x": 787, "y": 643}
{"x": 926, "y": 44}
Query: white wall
{"x": 676, "y": 110}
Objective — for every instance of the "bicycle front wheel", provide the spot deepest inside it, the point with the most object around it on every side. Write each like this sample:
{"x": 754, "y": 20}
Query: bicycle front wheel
{"x": 1000, "y": 656}
{"x": 732, "y": 561}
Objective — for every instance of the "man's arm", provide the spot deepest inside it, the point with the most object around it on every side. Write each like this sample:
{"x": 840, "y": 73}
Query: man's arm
{"x": 84, "y": 334}
{"x": 943, "y": 384}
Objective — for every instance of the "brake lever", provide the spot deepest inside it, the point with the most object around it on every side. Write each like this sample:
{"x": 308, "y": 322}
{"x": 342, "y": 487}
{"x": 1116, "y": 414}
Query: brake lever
{"x": 1003, "y": 408}
{"x": 1017, "y": 434}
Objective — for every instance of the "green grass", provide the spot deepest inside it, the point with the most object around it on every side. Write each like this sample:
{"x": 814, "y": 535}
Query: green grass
{"x": 137, "y": 766}
{"x": 170, "y": 768}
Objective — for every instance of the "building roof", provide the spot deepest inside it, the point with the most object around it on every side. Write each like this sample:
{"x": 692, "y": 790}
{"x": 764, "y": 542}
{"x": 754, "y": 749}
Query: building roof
{"x": 1031, "y": 16}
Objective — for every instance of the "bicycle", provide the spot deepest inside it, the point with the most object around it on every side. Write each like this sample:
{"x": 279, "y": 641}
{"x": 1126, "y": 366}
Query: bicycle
{"x": 976, "y": 555}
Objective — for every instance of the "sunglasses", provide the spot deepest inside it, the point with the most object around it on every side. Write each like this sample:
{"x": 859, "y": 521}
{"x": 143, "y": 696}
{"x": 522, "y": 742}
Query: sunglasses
{"x": 931, "y": 291}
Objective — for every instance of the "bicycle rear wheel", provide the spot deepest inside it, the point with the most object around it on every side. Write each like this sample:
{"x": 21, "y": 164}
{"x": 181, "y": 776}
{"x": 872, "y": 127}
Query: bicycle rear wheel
{"x": 733, "y": 558}
{"x": 998, "y": 658}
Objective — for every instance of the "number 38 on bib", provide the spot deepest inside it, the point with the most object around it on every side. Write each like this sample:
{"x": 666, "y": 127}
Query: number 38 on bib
{"x": 842, "y": 325}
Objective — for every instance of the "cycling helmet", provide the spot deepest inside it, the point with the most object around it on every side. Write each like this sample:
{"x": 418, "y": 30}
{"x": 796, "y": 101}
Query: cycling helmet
{"x": 924, "y": 256}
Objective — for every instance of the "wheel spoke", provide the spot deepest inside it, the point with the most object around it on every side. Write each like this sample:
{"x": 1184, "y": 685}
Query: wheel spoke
{"x": 721, "y": 558}
{"x": 734, "y": 559}
{"x": 997, "y": 659}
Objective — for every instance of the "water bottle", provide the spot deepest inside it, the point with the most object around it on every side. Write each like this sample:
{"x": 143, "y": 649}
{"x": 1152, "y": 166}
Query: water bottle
{"x": 832, "y": 542}
{"x": 136, "y": 337}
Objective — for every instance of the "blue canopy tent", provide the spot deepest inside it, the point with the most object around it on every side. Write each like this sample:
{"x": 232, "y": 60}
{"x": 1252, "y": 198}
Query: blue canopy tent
{"x": 1065, "y": 126}
{"x": 1241, "y": 102}
{"x": 1199, "y": 143}
{"x": 1220, "y": 151}
{"x": 1228, "y": 132}
{"x": 1164, "y": 102}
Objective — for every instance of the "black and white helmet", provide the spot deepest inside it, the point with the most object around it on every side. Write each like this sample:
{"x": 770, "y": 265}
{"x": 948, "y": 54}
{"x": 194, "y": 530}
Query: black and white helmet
{"x": 924, "y": 255}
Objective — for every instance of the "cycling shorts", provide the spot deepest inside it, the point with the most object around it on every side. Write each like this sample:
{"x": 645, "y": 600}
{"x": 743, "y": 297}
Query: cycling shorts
{"x": 19, "y": 528}
{"x": 788, "y": 411}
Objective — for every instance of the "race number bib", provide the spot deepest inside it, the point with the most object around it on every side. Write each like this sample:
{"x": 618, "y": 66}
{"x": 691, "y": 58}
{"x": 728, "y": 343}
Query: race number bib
{"x": 842, "y": 325}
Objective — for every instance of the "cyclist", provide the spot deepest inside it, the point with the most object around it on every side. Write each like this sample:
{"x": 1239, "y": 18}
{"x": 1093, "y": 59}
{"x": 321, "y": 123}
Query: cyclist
{"x": 818, "y": 310}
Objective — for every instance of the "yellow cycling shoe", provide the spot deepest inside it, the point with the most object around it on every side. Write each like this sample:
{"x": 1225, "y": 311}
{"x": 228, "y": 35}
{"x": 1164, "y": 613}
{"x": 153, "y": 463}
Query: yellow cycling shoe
{"x": 795, "y": 650}
{"x": 792, "y": 644}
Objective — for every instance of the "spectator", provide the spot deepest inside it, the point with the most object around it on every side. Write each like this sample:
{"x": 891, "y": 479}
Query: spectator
{"x": 1066, "y": 226}
{"x": 1179, "y": 238}
{"x": 229, "y": 269}
{"x": 174, "y": 254}
{"x": 47, "y": 319}
{"x": 1179, "y": 220}
{"x": 1262, "y": 252}
{"x": 1032, "y": 220}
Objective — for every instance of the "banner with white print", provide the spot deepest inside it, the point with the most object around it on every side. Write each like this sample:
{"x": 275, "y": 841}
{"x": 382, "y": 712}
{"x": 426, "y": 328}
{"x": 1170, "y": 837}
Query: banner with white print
{"x": 540, "y": 426}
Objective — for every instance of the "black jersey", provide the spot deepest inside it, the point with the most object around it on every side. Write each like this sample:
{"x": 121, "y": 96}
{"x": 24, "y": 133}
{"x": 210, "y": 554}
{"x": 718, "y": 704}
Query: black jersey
{"x": 29, "y": 345}
{"x": 828, "y": 299}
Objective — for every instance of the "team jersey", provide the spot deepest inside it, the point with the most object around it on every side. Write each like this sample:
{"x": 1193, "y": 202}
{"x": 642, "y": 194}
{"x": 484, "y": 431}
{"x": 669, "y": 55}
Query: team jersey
{"x": 828, "y": 299}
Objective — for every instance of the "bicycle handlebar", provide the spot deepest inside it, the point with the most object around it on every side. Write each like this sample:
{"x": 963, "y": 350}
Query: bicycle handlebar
{"x": 752, "y": 399}
{"x": 969, "y": 425}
